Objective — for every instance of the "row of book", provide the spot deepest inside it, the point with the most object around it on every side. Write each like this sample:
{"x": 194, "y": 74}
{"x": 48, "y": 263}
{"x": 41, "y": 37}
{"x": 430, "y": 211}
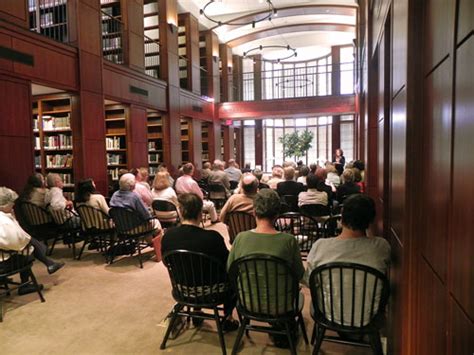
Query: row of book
{"x": 115, "y": 159}
{"x": 61, "y": 141}
{"x": 153, "y": 158}
{"x": 51, "y": 123}
{"x": 115, "y": 143}
{"x": 111, "y": 43}
{"x": 44, "y": 4}
{"x": 59, "y": 161}
{"x": 154, "y": 145}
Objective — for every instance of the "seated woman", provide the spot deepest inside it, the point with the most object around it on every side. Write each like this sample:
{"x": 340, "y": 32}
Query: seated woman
{"x": 34, "y": 190}
{"x": 87, "y": 195}
{"x": 163, "y": 191}
{"x": 348, "y": 187}
{"x": 303, "y": 175}
{"x": 313, "y": 196}
{"x": 14, "y": 238}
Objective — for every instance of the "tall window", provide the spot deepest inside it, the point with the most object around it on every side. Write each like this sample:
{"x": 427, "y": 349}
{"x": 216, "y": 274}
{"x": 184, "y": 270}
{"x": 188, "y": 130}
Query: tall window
{"x": 347, "y": 136}
{"x": 347, "y": 70}
{"x": 249, "y": 142}
{"x": 248, "y": 79}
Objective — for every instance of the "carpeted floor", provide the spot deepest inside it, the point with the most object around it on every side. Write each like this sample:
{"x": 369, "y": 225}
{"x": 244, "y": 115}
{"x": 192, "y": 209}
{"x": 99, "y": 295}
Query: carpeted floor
{"x": 93, "y": 308}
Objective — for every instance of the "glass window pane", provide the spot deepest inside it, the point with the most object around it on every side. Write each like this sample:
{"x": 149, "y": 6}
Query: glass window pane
{"x": 249, "y": 145}
{"x": 300, "y": 122}
{"x": 249, "y": 122}
{"x": 347, "y": 140}
{"x": 278, "y": 146}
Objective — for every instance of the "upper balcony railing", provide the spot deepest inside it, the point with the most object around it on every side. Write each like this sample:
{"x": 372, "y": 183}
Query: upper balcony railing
{"x": 112, "y": 38}
{"x": 49, "y": 18}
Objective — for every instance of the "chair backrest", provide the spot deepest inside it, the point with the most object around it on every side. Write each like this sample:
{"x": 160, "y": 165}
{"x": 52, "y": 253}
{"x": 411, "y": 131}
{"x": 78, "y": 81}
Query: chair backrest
{"x": 163, "y": 206}
{"x": 166, "y": 212}
{"x": 239, "y": 222}
{"x": 233, "y": 184}
{"x": 217, "y": 192}
{"x": 289, "y": 203}
{"x": 263, "y": 186}
{"x": 197, "y": 279}
{"x": 34, "y": 215}
{"x": 12, "y": 262}
{"x": 315, "y": 210}
{"x": 129, "y": 222}
{"x": 61, "y": 217}
{"x": 304, "y": 228}
{"x": 266, "y": 287}
{"x": 347, "y": 295}
{"x": 332, "y": 226}
{"x": 93, "y": 219}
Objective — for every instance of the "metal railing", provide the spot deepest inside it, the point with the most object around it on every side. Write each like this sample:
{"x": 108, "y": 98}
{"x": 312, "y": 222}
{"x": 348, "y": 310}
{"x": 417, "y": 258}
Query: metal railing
{"x": 152, "y": 57}
{"x": 112, "y": 38}
{"x": 49, "y": 18}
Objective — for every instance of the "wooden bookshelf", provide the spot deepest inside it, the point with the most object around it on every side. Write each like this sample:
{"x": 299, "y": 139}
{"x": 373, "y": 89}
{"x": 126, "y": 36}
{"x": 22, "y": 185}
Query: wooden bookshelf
{"x": 53, "y": 137}
{"x": 112, "y": 36}
{"x": 155, "y": 141}
{"x": 49, "y": 18}
{"x": 203, "y": 64}
{"x": 151, "y": 25}
{"x": 183, "y": 57}
{"x": 116, "y": 117}
{"x": 186, "y": 140}
{"x": 205, "y": 141}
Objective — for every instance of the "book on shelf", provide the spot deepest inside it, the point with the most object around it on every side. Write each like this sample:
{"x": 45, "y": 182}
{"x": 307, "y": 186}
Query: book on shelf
{"x": 114, "y": 159}
{"x": 111, "y": 43}
{"x": 153, "y": 158}
{"x": 37, "y": 143}
{"x": 114, "y": 173}
{"x": 61, "y": 141}
{"x": 59, "y": 161}
{"x": 112, "y": 143}
{"x": 150, "y": 8}
{"x": 38, "y": 161}
{"x": 51, "y": 123}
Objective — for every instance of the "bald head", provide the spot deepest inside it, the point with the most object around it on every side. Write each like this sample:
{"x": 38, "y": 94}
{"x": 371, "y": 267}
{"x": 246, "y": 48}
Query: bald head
{"x": 249, "y": 184}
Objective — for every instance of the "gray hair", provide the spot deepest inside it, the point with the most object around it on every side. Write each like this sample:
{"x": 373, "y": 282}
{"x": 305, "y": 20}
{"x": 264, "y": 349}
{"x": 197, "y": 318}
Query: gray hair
{"x": 267, "y": 204}
{"x": 7, "y": 196}
{"x": 51, "y": 179}
{"x": 127, "y": 182}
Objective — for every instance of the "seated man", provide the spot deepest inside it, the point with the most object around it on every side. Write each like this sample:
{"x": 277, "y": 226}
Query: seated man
{"x": 127, "y": 198}
{"x": 218, "y": 176}
{"x": 186, "y": 184}
{"x": 277, "y": 177}
{"x": 190, "y": 236}
{"x": 232, "y": 171}
{"x": 142, "y": 188}
{"x": 264, "y": 239}
{"x": 55, "y": 199}
{"x": 242, "y": 202}
{"x": 14, "y": 238}
{"x": 312, "y": 196}
{"x": 289, "y": 186}
{"x": 206, "y": 171}
{"x": 352, "y": 245}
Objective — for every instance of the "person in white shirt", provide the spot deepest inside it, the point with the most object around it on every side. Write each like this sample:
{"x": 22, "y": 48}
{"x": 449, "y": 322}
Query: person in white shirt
{"x": 14, "y": 238}
{"x": 54, "y": 198}
{"x": 232, "y": 171}
{"x": 186, "y": 184}
{"x": 164, "y": 192}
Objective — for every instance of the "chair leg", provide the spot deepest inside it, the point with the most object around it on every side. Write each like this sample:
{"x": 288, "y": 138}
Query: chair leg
{"x": 54, "y": 244}
{"x": 303, "y": 328}
{"x": 375, "y": 343}
{"x": 74, "y": 246}
{"x": 319, "y": 338}
{"x": 174, "y": 316}
{"x": 240, "y": 334}
{"x": 137, "y": 242}
{"x": 219, "y": 331}
{"x": 33, "y": 279}
{"x": 290, "y": 339}
{"x": 86, "y": 240}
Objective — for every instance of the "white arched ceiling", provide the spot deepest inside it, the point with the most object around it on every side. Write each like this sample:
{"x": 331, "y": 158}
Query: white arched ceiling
{"x": 281, "y": 30}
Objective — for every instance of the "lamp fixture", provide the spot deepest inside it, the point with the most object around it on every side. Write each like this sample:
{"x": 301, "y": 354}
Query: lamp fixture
{"x": 267, "y": 15}
{"x": 292, "y": 52}
{"x": 295, "y": 83}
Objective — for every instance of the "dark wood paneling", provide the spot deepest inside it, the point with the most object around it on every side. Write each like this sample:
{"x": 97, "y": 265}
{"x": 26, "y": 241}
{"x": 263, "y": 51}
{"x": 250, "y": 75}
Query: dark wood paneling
{"x": 396, "y": 306}
{"x": 438, "y": 35}
{"x": 192, "y": 105}
{"x": 196, "y": 142}
{"x": 462, "y": 331}
{"x": 89, "y": 22}
{"x": 400, "y": 48}
{"x": 91, "y": 69}
{"x": 465, "y": 19}
{"x": 437, "y": 165}
{"x": 378, "y": 11}
{"x": 15, "y": 11}
{"x": 16, "y": 155}
{"x": 302, "y": 107}
{"x": 137, "y": 137}
{"x": 432, "y": 310}
{"x": 462, "y": 250}
{"x": 398, "y": 165}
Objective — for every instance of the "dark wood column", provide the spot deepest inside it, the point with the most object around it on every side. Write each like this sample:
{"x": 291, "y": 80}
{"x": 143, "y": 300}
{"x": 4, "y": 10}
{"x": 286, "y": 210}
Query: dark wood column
{"x": 336, "y": 70}
{"x": 89, "y": 128}
{"x": 191, "y": 24}
{"x": 228, "y": 142}
{"x": 169, "y": 72}
{"x": 259, "y": 142}
{"x": 137, "y": 137}
{"x": 16, "y": 134}
{"x": 226, "y": 73}
{"x": 335, "y": 133}
{"x": 215, "y": 140}
{"x": 134, "y": 49}
{"x": 257, "y": 75}
{"x": 196, "y": 142}
{"x": 237, "y": 77}
{"x": 15, "y": 11}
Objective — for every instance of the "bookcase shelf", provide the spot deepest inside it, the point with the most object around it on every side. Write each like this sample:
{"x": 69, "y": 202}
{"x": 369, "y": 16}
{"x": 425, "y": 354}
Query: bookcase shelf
{"x": 183, "y": 57}
{"x": 49, "y": 18}
{"x": 186, "y": 146}
{"x": 112, "y": 31}
{"x": 205, "y": 141}
{"x": 155, "y": 141}
{"x": 116, "y": 118}
{"x": 53, "y": 137}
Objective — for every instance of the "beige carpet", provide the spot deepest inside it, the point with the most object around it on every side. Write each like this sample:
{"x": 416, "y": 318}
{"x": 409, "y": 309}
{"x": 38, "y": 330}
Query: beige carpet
{"x": 93, "y": 308}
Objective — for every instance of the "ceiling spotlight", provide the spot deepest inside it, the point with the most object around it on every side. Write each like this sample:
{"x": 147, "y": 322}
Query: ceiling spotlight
{"x": 265, "y": 15}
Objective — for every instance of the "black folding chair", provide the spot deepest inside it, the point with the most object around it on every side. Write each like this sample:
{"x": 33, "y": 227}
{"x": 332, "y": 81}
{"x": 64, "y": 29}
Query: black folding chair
{"x": 239, "y": 222}
{"x": 166, "y": 212}
{"x": 36, "y": 221}
{"x": 304, "y": 228}
{"x": 198, "y": 281}
{"x": 348, "y": 298}
{"x": 267, "y": 291}
{"x": 315, "y": 210}
{"x": 217, "y": 194}
{"x": 332, "y": 226}
{"x": 233, "y": 184}
{"x": 11, "y": 263}
{"x": 69, "y": 228}
{"x": 96, "y": 228}
{"x": 131, "y": 232}
{"x": 289, "y": 203}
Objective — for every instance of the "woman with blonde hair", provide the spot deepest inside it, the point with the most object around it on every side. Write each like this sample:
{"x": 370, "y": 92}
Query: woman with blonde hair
{"x": 163, "y": 191}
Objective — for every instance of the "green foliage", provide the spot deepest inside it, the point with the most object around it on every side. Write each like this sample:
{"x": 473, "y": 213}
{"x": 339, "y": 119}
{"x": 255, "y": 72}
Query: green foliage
{"x": 296, "y": 144}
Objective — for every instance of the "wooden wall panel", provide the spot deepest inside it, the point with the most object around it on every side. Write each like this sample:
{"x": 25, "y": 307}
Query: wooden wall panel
{"x": 398, "y": 165}
{"x": 396, "y": 307}
{"x": 378, "y": 10}
{"x": 300, "y": 107}
{"x": 466, "y": 19}
{"x": 196, "y": 143}
{"x": 438, "y": 37}
{"x": 192, "y": 105}
{"x": 432, "y": 311}
{"x": 462, "y": 331}
{"x": 462, "y": 232}
{"x": 89, "y": 18}
{"x": 437, "y": 165}
{"x": 15, "y": 11}
{"x": 400, "y": 44}
{"x": 91, "y": 69}
{"x": 137, "y": 137}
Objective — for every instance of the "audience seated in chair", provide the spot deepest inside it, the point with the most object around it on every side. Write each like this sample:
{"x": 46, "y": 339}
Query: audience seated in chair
{"x": 348, "y": 187}
{"x": 191, "y": 237}
{"x": 277, "y": 177}
{"x": 303, "y": 175}
{"x": 233, "y": 173}
{"x": 218, "y": 176}
{"x": 162, "y": 191}
{"x": 313, "y": 196}
{"x": 55, "y": 199}
{"x": 13, "y": 237}
{"x": 141, "y": 189}
{"x": 241, "y": 202}
{"x": 186, "y": 184}
{"x": 87, "y": 195}
{"x": 34, "y": 190}
{"x": 289, "y": 186}
{"x": 206, "y": 171}
{"x": 265, "y": 239}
